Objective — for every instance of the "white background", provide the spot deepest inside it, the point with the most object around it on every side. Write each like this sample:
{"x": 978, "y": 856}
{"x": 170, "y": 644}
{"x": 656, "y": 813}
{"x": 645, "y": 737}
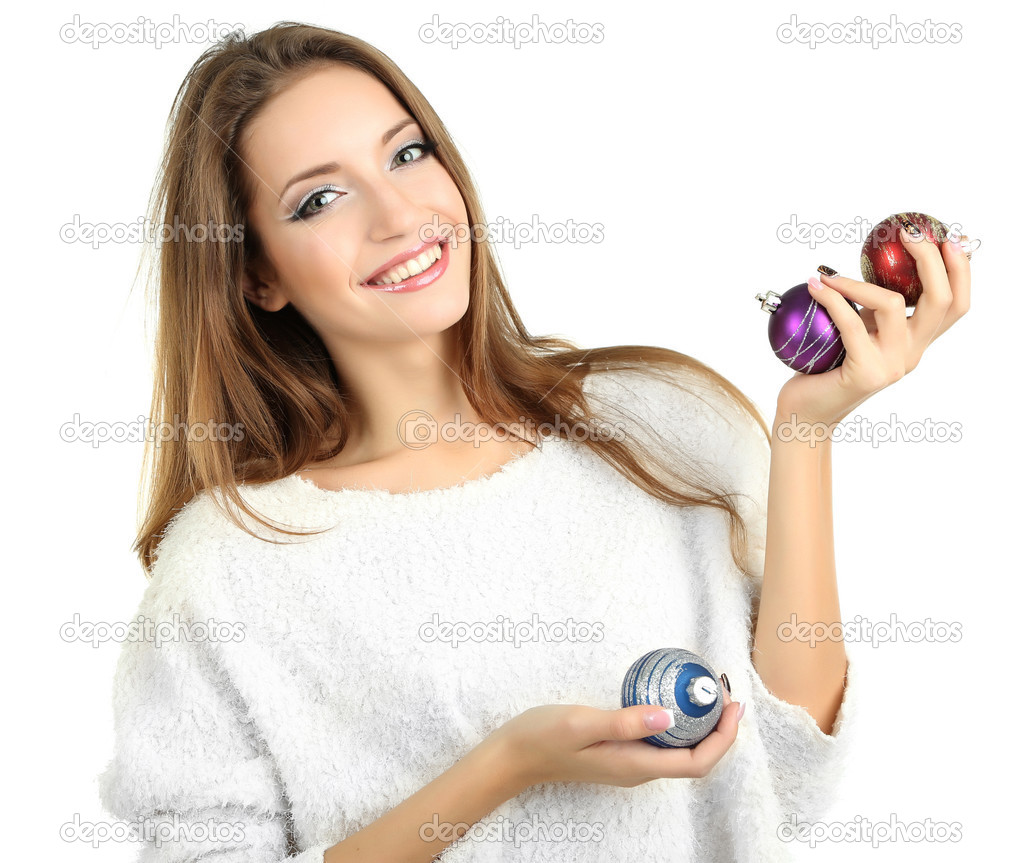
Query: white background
{"x": 691, "y": 133}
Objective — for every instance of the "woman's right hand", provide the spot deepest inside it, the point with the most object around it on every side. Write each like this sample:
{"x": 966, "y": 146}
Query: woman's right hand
{"x": 574, "y": 743}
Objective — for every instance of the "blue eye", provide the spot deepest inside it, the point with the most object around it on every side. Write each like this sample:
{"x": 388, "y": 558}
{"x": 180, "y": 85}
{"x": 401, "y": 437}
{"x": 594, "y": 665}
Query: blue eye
{"x": 312, "y": 205}
{"x": 314, "y": 202}
{"x": 428, "y": 148}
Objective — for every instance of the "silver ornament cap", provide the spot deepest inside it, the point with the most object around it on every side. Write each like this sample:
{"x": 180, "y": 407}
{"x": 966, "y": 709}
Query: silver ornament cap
{"x": 701, "y": 691}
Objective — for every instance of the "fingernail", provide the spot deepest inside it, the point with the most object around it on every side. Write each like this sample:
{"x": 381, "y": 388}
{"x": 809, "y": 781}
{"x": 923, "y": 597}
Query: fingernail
{"x": 814, "y": 283}
{"x": 725, "y": 683}
{"x": 911, "y": 229}
{"x": 826, "y": 271}
{"x": 742, "y": 709}
{"x": 656, "y": 721}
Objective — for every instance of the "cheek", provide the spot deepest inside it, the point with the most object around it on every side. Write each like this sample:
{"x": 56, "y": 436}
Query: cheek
{"x": 453, "y": 199}
{"x": 322, "y": 258}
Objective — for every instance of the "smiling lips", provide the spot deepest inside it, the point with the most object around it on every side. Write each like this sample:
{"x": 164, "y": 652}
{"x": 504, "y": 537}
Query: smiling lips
{"x": 413, "y": 273}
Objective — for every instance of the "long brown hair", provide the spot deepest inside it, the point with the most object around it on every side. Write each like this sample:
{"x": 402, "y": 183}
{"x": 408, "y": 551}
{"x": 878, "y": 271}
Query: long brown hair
{"x": 221, "y": 358}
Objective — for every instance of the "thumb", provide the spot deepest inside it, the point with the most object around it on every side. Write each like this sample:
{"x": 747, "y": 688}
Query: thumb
{"x": 658, "y": 719}
{"x": 641, "y": 720}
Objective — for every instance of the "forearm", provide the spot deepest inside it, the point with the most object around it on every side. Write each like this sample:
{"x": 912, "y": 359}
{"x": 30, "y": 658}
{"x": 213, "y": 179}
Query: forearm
{"x": 462, "y": 795}
{"x": 800, "y": 580}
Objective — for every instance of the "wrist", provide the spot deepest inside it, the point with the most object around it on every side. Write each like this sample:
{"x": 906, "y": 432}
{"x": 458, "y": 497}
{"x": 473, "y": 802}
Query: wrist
{"x": 787, "y": 411}
{"x": 510, "y": 772}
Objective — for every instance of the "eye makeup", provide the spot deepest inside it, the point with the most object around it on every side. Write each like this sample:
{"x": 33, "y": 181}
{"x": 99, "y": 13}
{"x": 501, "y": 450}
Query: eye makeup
{"x": 302, "y": 211}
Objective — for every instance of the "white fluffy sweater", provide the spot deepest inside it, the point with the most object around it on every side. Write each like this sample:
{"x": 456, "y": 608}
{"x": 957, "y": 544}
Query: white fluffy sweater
{"x": 326, "y": 694}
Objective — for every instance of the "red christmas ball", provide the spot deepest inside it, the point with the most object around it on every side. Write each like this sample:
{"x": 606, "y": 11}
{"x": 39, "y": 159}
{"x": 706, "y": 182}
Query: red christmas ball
{"x": 886, "y": 262}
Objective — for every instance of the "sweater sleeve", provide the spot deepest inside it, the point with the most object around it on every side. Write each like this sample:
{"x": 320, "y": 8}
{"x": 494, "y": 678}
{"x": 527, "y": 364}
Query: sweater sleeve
{"x": 189, "y": 773}
{"x": 805, "y": 764}
{"x": 693, "y": 416}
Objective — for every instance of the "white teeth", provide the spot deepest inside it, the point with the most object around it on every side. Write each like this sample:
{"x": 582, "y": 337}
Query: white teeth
{"x": 411, "y": 267}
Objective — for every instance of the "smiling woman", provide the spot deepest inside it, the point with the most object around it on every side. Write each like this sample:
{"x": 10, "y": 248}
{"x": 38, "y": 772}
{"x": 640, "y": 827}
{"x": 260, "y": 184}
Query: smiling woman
{"x": 340, "y": 221}
{"x": 350, "y": 327}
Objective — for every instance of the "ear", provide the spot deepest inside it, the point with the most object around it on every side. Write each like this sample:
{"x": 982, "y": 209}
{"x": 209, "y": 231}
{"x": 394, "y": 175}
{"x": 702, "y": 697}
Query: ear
{"x": 262, "y": 290}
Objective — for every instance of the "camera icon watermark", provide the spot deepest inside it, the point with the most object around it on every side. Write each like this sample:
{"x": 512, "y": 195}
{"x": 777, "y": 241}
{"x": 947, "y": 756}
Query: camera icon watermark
{"x": 504, "y": 230}
{"x": 417, "y": 430}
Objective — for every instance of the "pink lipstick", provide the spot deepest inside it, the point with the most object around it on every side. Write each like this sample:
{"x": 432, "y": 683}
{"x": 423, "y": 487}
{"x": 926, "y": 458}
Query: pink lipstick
{"x": 419, "y": 281}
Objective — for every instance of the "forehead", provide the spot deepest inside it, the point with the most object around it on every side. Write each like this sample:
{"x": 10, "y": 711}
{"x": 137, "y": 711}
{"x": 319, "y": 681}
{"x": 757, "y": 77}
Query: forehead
{"x": 335, "y": 113}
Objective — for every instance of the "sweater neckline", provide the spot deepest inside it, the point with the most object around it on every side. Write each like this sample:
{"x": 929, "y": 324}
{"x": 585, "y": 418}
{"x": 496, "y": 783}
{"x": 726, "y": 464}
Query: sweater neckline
{"x": 506, "y": 475}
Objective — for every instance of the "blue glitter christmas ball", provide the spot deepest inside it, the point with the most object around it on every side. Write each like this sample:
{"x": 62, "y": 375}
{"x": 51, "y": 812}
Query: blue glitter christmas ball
{"x": 682, "y": 682}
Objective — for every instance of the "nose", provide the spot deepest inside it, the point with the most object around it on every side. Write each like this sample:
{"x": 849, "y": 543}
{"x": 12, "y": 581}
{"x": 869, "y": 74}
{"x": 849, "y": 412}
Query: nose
{"x": 389, "y": 211}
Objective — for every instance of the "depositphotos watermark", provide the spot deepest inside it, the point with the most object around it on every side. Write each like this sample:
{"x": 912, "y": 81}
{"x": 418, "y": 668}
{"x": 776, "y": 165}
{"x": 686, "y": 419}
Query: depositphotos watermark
{"x": 856, "y": 232}
{"x": 862, "y": 430}
{"x": 505, "y": 830}
{"x": 862, "y": 829}
{"x": 146, "y": 829}
{"x": 145, "y": 429}
{"x": 506, "y": 32}
{"x": 144, "y": 629}
{"x": 142, "y": 31}
{"x": 144, "y": 230}
{"x": 517, "y": 233}
{"x": 862, "y": 31}
{"x": 503, "y": 629}
{"x": 861, "y": 630}
{"x": 418, "y": 429}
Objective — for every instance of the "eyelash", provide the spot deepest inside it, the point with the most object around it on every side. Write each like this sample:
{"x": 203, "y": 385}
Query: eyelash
{"x": 299, "y": 214}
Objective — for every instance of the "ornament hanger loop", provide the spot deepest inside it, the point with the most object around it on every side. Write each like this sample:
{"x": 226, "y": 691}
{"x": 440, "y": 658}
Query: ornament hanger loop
{"x": 969, "y": 246}
{"x": 769, "y": 302}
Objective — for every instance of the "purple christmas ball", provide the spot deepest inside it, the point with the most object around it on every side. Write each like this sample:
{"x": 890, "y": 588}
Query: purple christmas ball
{"x": 801, "y": 331}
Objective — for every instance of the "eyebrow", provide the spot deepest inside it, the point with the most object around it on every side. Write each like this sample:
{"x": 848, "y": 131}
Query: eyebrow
{"x": 331, "y": 167}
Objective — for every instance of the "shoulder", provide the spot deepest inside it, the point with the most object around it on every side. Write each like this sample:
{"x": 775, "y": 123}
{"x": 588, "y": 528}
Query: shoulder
{"x": 201, "y": 539}
{"x": 686, "y": 417}
{"x": 689, "y": 406}
{"x": 188, "y": 546}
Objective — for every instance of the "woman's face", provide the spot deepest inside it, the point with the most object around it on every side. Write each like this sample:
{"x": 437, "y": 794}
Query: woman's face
{"x": 325, "y": 236}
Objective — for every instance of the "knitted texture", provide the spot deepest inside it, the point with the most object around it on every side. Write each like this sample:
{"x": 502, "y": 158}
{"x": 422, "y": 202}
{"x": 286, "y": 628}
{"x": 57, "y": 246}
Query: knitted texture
{"x": 329, "y": 688}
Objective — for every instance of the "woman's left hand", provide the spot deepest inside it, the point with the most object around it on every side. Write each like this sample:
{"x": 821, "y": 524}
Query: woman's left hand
{"x": 882, "y": 344}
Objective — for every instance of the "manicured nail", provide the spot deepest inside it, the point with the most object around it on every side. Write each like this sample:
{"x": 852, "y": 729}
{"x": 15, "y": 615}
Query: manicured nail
{"x": 725, "y": 683}
{"x": 814, "y": 283}
{"x": 656, "y": 721}
{"x": 911, "y": 229}
{"x": 742, "y": 709}
{"x": 826, "y": 271}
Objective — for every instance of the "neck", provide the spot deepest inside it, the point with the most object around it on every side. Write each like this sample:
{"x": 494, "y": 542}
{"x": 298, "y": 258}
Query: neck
{"x": 397, "y": 388}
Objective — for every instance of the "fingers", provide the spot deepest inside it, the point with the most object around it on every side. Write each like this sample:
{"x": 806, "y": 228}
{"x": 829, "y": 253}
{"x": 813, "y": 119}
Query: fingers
{"x": 700, "y": 760}
{"x": 957, "y": 266}
{"x": 878, "y": 365}
{"x": 713, "y": 747}
{"x": 835, "y": 296}
{"x": 682, "y": 762}
{"x": 633, "y": 723}
{"x": 935, "y": 299}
